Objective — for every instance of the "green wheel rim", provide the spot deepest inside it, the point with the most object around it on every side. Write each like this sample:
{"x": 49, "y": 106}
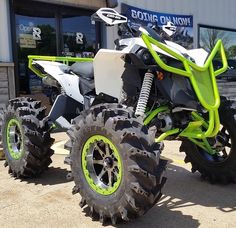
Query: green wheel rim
{"x": 14, "y": 139}
{"x": 101, "y": 164}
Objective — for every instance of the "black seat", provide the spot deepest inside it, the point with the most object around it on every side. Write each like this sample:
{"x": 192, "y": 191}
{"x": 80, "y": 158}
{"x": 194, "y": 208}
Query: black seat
{"x": 83, "y": 69}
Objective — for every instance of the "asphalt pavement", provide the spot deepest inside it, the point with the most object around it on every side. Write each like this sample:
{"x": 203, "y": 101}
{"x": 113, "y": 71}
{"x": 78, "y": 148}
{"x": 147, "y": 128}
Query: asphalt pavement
{"x": 47, "y": 201}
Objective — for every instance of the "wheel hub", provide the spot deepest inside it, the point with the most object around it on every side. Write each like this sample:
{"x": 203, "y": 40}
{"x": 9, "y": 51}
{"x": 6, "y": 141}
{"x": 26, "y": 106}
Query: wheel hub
{"x": 108, "y": 162}
{"x": 101, "y": 165}
{"x": 222, "y": 145}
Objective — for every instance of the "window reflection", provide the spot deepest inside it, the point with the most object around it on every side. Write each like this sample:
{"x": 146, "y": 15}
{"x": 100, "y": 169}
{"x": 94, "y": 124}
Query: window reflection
{"x": 208, "y": 38}
{"x": 210, "y": 35}
{"x": 79, "y": 36}
{"x": 34, "y": 36}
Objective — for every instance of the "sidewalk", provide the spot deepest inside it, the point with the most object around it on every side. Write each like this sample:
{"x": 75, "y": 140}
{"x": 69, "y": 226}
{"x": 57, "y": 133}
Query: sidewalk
{"x": 47, "y": 201}
{"x": 60, "y": 140}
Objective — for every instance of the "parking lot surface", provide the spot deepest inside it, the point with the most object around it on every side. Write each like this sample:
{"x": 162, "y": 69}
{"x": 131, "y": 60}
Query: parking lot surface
{"x": 47, "y": 201}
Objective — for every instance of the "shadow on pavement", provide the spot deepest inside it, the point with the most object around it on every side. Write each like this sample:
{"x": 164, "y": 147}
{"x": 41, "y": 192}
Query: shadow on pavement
{"x": 190, "y": 189}
{"x": 162, "y": 216}
{"x": 182, "y": 190}
{"x": 52, "y": 176}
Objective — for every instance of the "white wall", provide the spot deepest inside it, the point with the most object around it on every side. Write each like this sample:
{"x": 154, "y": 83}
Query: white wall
{"x": 5, "y": 32}
{"x": 220, "y": 13}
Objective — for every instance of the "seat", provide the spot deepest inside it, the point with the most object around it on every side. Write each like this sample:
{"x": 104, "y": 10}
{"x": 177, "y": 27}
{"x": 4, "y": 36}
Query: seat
{"x": 83, "y": 69}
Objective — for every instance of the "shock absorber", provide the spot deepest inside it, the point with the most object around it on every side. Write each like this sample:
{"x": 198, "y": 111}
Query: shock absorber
{"x": 144, "y": 94}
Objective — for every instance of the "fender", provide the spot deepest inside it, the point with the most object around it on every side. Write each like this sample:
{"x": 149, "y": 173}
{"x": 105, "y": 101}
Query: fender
{"x": 69, "y": 82}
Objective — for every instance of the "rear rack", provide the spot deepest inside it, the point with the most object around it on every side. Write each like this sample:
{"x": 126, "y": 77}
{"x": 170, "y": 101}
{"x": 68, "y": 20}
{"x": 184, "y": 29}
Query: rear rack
{"x": 65, "y": 60}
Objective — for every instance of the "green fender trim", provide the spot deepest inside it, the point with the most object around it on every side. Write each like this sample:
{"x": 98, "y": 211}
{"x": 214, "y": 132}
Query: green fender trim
{"x": 87, "y": 146}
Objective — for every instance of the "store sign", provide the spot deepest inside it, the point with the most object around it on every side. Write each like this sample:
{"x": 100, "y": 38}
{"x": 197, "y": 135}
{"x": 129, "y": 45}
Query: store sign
{"x": 36, "y": 33}
{"x": 79, "y": 38}
{"x": 30, "y": 29}
{"x": 184, "y": 23}
{"x": 27, "y": 41}
{"x": 25, "y": 29}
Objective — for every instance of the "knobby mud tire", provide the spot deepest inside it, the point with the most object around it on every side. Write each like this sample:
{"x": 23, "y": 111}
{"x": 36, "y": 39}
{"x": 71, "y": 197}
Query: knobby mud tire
{"x": 36, "y": 155}
{"x": 142, "y": 168}
{"x": 216, "y": 172}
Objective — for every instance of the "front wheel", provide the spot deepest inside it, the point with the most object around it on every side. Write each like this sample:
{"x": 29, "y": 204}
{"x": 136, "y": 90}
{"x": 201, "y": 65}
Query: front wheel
{"x": 220, "y": 167}
{"x": 115, "y": 164}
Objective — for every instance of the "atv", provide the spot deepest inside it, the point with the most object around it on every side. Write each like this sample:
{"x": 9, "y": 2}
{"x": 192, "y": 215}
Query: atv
{"x": 117, "y": 109}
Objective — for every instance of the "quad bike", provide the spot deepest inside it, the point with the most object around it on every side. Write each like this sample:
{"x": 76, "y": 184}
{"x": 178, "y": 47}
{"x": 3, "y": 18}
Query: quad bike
{"x": 117, "y": 109}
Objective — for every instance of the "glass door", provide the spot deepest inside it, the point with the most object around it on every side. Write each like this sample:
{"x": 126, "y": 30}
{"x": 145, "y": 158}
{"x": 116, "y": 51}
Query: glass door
{"x": 34, "y": 36}
{"x": 50, "y": 30}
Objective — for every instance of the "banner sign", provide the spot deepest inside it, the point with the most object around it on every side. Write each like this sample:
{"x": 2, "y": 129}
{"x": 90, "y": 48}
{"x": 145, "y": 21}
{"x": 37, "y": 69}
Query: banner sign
{"x": 184, "y": 23}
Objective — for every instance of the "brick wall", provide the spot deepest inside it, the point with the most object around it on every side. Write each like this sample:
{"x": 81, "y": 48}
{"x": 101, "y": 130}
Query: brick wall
{"x": 7, "y": 82}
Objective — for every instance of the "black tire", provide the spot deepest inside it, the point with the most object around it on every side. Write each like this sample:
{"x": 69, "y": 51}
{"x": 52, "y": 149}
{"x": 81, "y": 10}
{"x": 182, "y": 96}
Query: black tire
{"x": 216, "y": 168}
{"x": 142, "y": 171}
{"x": 34, "y": 137}
{"x": 1, "y": 121}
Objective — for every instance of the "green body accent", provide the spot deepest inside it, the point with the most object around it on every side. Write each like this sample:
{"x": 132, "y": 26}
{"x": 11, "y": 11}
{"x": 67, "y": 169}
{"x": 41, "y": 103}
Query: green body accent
{"x": 65, "y": 60}
{"x": 16, "y": 153}
{"x": 203, "y": 81}
{"x": 151, "y": 115}
{"x": 88, "y": 146}
{"x": 196, "y": 116}
{"x": 166, "y": 134}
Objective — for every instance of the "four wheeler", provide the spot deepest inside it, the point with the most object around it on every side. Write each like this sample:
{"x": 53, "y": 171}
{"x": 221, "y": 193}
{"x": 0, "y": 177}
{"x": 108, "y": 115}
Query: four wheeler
{"x": 117, "y": 109}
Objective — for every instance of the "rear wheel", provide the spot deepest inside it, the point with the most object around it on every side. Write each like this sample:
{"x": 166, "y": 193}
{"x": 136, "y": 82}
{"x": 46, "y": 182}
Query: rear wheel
{"x": 25, "y": 137}
{"x": 115, "y": 164}
{"x": 220, "y": 167}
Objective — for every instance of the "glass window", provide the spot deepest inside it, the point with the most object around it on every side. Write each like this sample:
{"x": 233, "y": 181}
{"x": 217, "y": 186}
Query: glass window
{"x": 208, "y": 36}
{"x": 50, "y": 30}
{"x": 34, "y": 36}
{"x": 79, "y": 36}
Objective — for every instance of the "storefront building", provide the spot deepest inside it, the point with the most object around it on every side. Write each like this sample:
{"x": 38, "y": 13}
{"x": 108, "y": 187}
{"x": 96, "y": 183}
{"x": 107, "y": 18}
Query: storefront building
{"x": 61, "y": 28}
{"x": 64, "y": 28}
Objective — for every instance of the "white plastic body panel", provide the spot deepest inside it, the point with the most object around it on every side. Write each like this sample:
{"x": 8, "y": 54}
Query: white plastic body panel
{"x": 108, "y": 69}
{"x": 199, "y": 55}
{"x": 69, "y": 82}
{"x": 131, "y": 42}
